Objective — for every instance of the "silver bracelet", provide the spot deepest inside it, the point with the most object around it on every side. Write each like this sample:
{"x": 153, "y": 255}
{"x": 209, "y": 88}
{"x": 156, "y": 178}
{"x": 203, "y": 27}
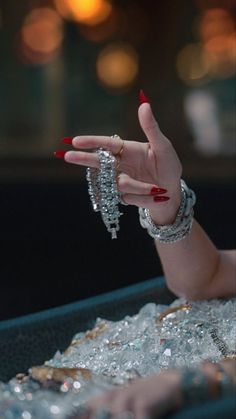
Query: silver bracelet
{"x": 172, "y": 233}
{"x": 102, "y": 188}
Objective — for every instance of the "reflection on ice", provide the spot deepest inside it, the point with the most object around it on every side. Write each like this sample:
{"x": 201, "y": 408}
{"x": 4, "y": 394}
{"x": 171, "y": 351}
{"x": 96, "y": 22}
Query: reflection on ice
{"x": 113, "y": 353}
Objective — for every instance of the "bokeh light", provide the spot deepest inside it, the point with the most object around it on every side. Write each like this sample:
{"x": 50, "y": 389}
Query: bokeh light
{"x": 215, "y": 22}
{"x": 215, "y": 55}
{"x": 41, "y": 35}
{"x": 130, "y": 23}
{"x": 192, "y": 65}
{"x": 117, "y": 66}
{"x": 104, "y": 30}
{"x": 217, "y": 33}
{"x": 89, "y": 12}
{"x": 220, "y": 54}
{"x": 202, "y": 112}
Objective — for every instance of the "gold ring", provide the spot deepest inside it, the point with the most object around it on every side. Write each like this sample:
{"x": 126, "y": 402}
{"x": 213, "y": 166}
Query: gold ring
{"x": 119, "y": 153}
{"x": 121, "y": 149}
{"x": 181, "y": 307}
{"x": 117, "y": 162}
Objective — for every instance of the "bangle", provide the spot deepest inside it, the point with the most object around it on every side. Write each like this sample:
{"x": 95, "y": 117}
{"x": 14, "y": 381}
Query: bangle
{"x": 195, "y": 386}
{"x": 172, "y": 233}
{"x": 102, "y": 188}
{"x": 196, "y": 389}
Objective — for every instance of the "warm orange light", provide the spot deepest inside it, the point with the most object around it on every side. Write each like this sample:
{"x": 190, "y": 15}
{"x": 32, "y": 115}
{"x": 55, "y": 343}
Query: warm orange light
{"x": 104, "y": 30}
{"x": 117, "y": 66}
{"x": 217, "y": 32}
{"x": 215, "y": 55}
{"x": 42, "y": 31}
{"x": 220, "y": 53}
{"x": 215, "y": 22}
{"x": 192, "y": 65}
{"x": 89, "y": 12}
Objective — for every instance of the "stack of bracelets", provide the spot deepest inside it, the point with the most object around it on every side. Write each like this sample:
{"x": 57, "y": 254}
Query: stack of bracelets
{"x": 182, "y": 225}
{"x": 105, "y": 198}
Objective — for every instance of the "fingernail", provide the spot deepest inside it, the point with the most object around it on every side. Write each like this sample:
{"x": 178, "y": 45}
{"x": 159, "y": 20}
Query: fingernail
{"x": 60, "y": 154}
{"x": 161, "y": 198}
{"x": 143, "y": 98}
{"x": 155, "y": 190}
{"x": 67, "y": 140}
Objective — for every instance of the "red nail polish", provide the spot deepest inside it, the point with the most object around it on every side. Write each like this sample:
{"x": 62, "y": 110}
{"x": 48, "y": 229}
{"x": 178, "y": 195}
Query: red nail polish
{"x": 60, "y": 154}
{"x": 143, "y": 98}
{"x": 155, "y": 190}
{"x": 161, "y": 198}
{"x": 67, "y": 140}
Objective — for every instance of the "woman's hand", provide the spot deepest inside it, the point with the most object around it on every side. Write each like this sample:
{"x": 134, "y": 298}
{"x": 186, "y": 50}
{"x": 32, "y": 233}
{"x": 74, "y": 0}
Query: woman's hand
{"x": 144, "y": 398}
{"x": 149, "y": 172}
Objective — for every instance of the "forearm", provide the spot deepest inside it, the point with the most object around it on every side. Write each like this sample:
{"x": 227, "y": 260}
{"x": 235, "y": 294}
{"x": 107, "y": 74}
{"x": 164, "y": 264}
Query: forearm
{"x": 191, "y": 264}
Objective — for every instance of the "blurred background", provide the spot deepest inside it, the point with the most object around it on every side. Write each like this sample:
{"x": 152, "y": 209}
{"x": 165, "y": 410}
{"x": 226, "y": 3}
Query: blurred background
{"x": 71, "y": 67}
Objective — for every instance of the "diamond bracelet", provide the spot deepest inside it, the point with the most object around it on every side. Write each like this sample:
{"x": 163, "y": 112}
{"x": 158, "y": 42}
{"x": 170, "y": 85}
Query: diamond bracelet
{"x": 172, "y": 233}
{"x": 102, "y": 188}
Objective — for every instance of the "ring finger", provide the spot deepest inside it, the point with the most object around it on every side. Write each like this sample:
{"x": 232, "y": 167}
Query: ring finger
{"x": 127, "y": 185}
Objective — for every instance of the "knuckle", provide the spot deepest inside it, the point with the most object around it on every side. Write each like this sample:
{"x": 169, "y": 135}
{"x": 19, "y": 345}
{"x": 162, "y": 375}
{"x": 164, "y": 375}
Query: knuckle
{"x": 123, "y": 183}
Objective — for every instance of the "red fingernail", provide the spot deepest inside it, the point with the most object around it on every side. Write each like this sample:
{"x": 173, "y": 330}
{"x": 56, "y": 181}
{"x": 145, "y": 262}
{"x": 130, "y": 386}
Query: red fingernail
{"x": 155, "y": 190}
{"x": 161, "y": 198}
{"x": 143, "y": 98}
{"x": 60, "y": 154}
{"x": 67, "y": 140}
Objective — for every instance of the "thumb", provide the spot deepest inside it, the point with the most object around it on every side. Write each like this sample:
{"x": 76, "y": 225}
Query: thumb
{"x": 149, "y": 125}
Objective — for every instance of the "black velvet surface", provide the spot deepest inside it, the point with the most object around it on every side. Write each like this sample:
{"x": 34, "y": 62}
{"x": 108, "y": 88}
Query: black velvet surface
{"x": 56, "y": 250}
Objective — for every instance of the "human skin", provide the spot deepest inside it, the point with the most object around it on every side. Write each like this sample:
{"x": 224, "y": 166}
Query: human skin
{"x": 194, "y": 268}
{"x": 157, "y": 395}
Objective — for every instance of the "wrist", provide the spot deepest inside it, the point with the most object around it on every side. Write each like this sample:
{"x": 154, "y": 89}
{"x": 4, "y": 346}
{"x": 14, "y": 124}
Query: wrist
{"x": 209, "y": 381}
{"x": 166, "y": 213}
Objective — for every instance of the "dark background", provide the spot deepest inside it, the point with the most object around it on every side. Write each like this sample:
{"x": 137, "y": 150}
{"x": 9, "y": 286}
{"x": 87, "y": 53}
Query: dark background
{"x": 53, "y": 254}
{"x": 54, "y": 249}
